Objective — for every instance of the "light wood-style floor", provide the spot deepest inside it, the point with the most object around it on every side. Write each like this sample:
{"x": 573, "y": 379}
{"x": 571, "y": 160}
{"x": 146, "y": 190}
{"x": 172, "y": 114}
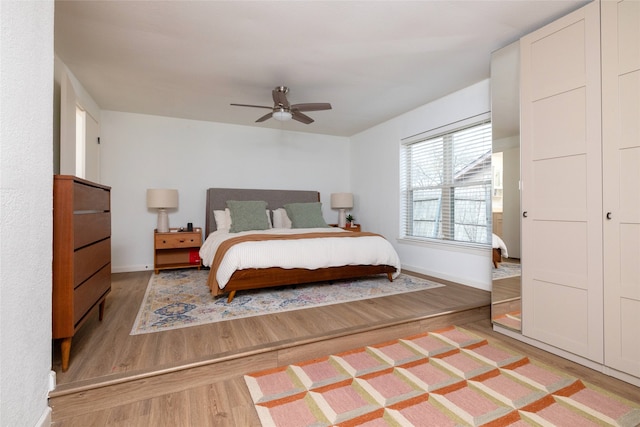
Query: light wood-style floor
{"x": 104, "y": 350}
{"x": 193, "y": 376}
{"x": 506, "y": 289}
{"x": 505, "y": 294}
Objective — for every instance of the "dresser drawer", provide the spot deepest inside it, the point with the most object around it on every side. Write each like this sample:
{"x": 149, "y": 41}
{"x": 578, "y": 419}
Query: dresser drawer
{"x": 90, "y": 227}
{"x": 88, "y": 260}
{"x": 90, "y": 198}
{"x": 178, "y": 240}
{"x": 90, "y": 292}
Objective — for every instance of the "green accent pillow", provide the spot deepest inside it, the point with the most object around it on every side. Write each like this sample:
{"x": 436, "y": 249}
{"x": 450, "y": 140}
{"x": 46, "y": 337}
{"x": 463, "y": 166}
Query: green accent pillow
{"x": 248, "y": 215}
{"x": 305, "y": 215}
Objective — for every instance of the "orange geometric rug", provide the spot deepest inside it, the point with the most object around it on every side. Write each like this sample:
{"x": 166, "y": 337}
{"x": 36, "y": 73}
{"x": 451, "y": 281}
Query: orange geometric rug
{"x": 512, "y": 320}
{"x": 449, "y": 377}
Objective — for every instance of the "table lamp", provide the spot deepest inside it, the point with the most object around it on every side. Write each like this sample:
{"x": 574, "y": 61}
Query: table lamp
{"x": 162, "y": 199}
{"x": 342, "y": 201}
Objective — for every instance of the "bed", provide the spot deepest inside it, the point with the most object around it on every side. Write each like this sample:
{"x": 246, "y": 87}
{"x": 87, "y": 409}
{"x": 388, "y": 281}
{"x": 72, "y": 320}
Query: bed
{"x": 499, "y": 250}
{"x": 228, "y": 277}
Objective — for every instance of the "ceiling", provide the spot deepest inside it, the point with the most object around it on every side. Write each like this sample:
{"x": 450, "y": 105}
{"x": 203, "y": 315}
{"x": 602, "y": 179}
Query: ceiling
{"x": 372, "y": 60}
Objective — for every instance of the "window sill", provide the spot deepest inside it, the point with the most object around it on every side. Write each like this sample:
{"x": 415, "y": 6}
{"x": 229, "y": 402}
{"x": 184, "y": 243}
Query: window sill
{"x": 471, "y": 248}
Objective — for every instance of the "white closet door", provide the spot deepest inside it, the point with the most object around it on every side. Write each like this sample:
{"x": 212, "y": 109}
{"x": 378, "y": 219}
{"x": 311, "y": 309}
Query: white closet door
{"x": 562, "y": 184}
{"x": 92, "y": 149}
{"x": 621, "y": 150}
{"x": 67, "y": 126}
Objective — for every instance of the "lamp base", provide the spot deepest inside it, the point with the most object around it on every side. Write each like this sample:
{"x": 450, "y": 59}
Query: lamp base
{"x": 163, "y": 221}
{"x": 342, "y": 218}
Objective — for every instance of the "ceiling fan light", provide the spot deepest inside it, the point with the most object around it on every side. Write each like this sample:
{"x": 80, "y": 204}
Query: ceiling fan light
{"x": 282, "y": 115}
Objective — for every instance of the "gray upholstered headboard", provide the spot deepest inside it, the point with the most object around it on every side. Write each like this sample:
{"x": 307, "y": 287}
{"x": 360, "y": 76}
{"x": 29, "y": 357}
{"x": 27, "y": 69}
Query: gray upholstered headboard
{"x": 217, "y": 200}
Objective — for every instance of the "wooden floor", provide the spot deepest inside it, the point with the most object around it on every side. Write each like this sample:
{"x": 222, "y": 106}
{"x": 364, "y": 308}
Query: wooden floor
{"x": 193, "y": 376}
{"x": 506, "y": 289}
{"x": 104, "y": 351}
{"x": 505, "y": 294}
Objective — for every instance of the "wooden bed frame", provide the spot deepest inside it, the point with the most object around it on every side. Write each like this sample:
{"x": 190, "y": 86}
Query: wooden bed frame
{"x": 269, "y": 277}
{"x": 497, "y": 256}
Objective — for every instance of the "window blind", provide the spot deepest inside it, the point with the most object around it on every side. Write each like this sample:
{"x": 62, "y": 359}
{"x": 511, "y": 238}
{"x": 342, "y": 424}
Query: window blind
{"x": 446, "y": 184}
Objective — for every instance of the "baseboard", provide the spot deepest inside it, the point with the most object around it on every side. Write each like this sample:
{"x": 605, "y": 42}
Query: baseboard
{"x": 45, "y": 419}
{"x": 472, "y": 283}
{"x": 569, "y": 356}
{"x": 623, "y": 376}
{"x": 52, "y": 380}
{"x": 132, "y": 268}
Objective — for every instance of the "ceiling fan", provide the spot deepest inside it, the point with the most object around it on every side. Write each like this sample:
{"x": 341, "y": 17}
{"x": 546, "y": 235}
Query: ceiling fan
{"x": 283, "y": 111}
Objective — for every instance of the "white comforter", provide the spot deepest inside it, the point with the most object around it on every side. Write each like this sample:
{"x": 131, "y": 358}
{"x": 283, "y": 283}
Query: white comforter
{"x": 298, "y": 253}
{"x": 499, "y": 243}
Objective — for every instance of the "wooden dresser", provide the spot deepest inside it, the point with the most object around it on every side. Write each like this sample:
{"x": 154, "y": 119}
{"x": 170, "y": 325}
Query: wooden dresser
{"x": 81, "y": 255}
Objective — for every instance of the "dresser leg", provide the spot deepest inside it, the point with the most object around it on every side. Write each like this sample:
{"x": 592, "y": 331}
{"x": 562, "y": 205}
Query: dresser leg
{"x": 65, "y": 346}
{"x": 390, "y": 276}
{"x": 101, "y": 310}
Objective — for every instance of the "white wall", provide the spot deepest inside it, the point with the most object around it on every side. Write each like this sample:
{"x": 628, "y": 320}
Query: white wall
{"x": 26, "y": 182}
{"x": 375, "y": 181}
{"x": 81, "y": 98}
{"x": 142, "y": 151}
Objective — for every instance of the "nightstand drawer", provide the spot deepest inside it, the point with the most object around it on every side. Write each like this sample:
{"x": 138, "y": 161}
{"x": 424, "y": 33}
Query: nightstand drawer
{"x": 178, "y": 240}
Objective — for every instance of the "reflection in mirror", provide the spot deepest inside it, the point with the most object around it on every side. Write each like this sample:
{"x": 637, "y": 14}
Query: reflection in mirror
{"x": 505, "y": 119}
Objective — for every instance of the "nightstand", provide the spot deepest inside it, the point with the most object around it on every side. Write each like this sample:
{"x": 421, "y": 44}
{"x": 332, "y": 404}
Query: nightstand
{"x": 355, "y": 227}
{"x": 177, "y": 249}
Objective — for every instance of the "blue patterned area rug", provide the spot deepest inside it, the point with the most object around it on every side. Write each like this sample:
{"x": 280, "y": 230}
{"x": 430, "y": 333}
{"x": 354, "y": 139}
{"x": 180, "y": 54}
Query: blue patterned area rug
{"x": 506, "y": 270}
{"x": 181, "y": 298}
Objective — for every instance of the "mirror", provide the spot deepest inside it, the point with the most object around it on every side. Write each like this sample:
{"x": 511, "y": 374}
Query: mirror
{"x": 505, "y": 119}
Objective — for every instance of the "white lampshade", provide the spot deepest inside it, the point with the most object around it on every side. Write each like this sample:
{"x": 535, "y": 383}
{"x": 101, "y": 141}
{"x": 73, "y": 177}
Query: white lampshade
{"x": 282, "y": 115}
{"x": 162, "y": 199}
{"x": 342, "y": 201}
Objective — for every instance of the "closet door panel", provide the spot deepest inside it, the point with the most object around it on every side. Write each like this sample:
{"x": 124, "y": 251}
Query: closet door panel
{"x": 627, "y": 16}
{"x": 621, "y": 159}
{"x": 562, "y": 184}
{"x": 628, "y": 264}
{"x": 562, "y": 312}
{"x": 629, "y": 342}
{"x": 558, "y": 188}
{"x": 558, "y": 60}
{"x": 629, "y": 109}
{"x": 629, "y": 170}
{"x": 560, "y": 254}
{"x": 559, "y": 124}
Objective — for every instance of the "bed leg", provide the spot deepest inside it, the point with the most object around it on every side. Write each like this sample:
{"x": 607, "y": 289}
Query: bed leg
{"x": 230, "y": 297}
{"x": 390, "y": 276}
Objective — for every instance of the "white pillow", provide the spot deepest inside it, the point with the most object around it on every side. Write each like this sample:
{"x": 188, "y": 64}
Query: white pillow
{"x": 281, "y": 219}
{"x": 223, "y": 219}
{"x": 269, "y": 219}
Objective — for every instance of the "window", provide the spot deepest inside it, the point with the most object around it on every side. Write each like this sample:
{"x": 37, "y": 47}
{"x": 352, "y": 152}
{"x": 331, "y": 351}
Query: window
{"x": 446, "y": 184}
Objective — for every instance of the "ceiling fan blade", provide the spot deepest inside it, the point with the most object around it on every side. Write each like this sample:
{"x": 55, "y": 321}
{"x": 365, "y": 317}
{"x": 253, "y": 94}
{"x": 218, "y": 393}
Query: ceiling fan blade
{"x": 255, "y": 106}
{"x": 280, "y": 96}
{"x": 314, "y": 106}
{"x": 265, "y": 117}
{"x": 297, "y": 115}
